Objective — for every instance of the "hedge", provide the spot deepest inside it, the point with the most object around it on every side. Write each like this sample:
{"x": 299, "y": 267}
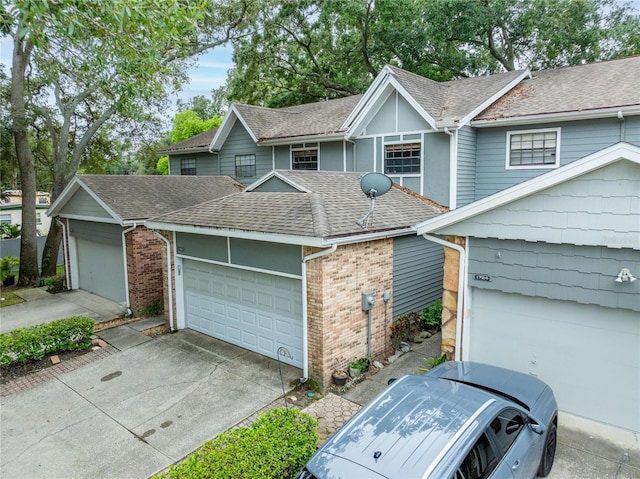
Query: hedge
{"x": 276, "y": 446}
{"x": 35, "y": 342}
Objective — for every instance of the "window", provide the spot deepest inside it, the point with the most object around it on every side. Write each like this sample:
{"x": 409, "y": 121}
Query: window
{"x": 479, "y": 462}
{"x": 188, "y": 166}
{"x": 5, "y": 219}
{"x": 305, "y": 159}
{"x": 402, "y": 158}
{"x": 245, "y": 166}
{"x": 533, "y": 149}
{"x": 42, "y": 201}
{"x": 38, "y": 218}
{"x": 506, "y": 427}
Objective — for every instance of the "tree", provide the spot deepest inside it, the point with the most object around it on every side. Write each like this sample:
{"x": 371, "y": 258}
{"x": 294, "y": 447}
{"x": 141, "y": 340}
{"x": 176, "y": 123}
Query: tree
{"x": 187, "y": 124}
{"x": 163, "y": 165}
{"x": 206, "y": 107}
{"x": 310, "y": 49}
{"x": 100, "y": 62}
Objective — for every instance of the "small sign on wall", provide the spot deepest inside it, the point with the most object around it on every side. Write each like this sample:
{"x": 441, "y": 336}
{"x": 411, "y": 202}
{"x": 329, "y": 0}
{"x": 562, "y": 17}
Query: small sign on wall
{"x": 482, "y": 277}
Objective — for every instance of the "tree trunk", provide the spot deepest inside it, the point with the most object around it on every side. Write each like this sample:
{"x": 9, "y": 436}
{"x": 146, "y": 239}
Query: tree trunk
{"x": 51, "y": 248}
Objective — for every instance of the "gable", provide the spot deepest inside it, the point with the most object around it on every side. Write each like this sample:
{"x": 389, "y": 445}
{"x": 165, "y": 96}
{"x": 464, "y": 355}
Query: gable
{"x": 82, "y": 204}
{"x": 276, "y": 184}
{"x": 601, "y": 207}
{"x": 394, "y": 115}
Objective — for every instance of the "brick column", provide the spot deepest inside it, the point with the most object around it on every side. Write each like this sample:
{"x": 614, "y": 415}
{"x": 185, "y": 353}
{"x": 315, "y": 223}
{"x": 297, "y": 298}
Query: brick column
{"x": 450, "y": 296}
{"x": 144, "y": 268}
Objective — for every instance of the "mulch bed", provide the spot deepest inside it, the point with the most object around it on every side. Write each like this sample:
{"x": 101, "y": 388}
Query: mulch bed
{"x": 17, "y": 370}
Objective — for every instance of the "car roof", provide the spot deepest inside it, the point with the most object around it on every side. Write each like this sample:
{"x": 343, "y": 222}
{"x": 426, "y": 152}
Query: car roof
{"x": 409, "y": 427}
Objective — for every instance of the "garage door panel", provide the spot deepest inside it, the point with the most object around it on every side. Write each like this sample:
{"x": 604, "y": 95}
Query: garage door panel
{"x": 253, "y": 310}
{"x": 101, "y": 269}
{"x": 590, "y": 355}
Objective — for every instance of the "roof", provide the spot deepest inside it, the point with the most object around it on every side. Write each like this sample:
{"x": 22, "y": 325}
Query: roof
{"x": 196, "y": 144}
{"x": 139, "y": 197}
{"x": 322, "y": 205}
{"x": 582, "y": 88}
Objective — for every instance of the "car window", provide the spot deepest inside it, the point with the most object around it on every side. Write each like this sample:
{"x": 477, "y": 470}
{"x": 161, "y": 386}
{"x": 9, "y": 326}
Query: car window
{"x": 479, "y": 461}
{"x": 506, "y": 426}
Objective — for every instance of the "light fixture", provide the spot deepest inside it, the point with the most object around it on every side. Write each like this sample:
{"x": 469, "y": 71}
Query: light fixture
{"x": 625, "y": 276}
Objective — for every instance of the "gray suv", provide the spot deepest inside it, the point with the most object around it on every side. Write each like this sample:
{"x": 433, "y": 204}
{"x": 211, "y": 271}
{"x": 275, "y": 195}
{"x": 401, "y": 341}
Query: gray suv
{"x": 461, "y": 420}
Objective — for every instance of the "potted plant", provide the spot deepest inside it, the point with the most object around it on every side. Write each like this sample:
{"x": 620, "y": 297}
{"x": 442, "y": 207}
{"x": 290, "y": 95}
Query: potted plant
{"x": 358, "y": 366}
{"x": 339, "y": 375}
{"x": 7, "y": 264}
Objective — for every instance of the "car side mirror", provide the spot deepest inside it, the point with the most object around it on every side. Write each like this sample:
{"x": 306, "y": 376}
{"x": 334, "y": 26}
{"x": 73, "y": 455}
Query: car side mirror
{"x": 536, "y": 426}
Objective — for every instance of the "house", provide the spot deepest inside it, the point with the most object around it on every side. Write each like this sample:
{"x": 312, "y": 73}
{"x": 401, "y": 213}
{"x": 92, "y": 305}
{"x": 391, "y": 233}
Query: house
{"x": 530, "y": 165}
{"x": 189, "y": 153}
{"x": 107, "y": 246}
{"x": 281, "y": 268}
{"x": 11, "y": 210}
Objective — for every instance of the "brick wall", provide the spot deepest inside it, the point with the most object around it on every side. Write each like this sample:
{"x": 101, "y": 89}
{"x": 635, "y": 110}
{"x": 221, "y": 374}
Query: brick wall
{"x": 144, "y": 268}
{"x": 337, "y": 326}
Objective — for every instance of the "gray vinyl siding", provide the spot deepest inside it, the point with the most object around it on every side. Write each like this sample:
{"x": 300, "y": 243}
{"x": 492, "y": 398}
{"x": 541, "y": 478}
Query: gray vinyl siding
{"x": 436, "y": 167}
{"x": 83, "y": 204}
{"x": 584, "y": 274}
{"x": 239, "y": 142}
{"x": 417, "y": 273}
{"x": 330, "y": 156}
{"x": 597, "y": 208}
{"x": 396, "y": 115}
{"x": 577, "y": 140}
{"x": 99, "y": 232}
{"x": 283, "y": 157}
{"x": 274, "y": 184}
{"x": 200, "y": 246}
{"x": 364, "y": 155}
{"x": 408, "y": 118}
{"x": 466, "y": 166}
{"x": 206, "y": 163}
{"x": 631, "y": 130}
{"x": 385, "y": 119}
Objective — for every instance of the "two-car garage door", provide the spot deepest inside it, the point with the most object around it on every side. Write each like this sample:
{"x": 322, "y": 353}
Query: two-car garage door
{"x": 254, "y": 310}
{"x": 588, "y": 354}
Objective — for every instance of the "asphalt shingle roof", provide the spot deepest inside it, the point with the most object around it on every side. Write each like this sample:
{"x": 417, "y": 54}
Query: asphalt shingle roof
{"x": 330, "y": 209}
{"x": 138, "y": 197}
{"x": 199, "y": 142}
{"x": 608, "y": 84}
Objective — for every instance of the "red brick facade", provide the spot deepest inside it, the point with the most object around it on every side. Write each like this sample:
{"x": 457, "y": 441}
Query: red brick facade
{"x": 144, "y": 268}
{"x": 337, "y": 326}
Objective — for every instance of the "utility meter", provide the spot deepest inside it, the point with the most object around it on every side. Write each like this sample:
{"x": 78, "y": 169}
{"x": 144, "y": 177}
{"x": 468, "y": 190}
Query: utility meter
{"x": 367, "y": 301}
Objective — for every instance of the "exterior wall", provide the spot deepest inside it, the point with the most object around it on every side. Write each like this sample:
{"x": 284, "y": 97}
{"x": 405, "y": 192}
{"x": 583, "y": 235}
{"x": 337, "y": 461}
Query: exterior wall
{"x": 108, "y": 233}
{"x": 337, "y": 326}
{"x": 206, "y": 163}
{"x": 331, "y": 156}
{"x": 239, "y": 142}
{"x": 584, "y": 274}
{"x": 466, "y": 166}
{"x": 144, "y": 268}
{"x": 15, "y": 212}
{"x": 82, "y": 204}
{"x": 417, "y": 273}
{"x": 577, "y": 140}
{"x": 165, "y": 275}
{"x": 450, "y": 296}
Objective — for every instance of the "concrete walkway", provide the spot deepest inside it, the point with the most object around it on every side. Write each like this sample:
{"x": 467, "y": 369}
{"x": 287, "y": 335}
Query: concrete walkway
{"x": 43, "y": 307}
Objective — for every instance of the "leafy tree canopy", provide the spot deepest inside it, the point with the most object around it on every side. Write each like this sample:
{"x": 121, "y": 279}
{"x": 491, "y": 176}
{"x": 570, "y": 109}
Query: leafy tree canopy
{"x": 187, "y": 124}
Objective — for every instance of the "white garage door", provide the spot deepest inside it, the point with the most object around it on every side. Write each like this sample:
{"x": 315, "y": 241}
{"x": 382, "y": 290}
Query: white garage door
{"x": 589, "y": 355}
{"x": 101, "y": 269}
{"x": 256, "y": 311}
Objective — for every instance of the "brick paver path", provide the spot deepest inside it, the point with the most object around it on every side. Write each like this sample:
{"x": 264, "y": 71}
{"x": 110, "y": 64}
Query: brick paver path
{"x": 331, "y": 412}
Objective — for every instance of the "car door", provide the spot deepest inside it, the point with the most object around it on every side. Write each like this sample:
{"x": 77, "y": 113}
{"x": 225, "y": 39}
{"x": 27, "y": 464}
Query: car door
{"x": 516, "y": 444}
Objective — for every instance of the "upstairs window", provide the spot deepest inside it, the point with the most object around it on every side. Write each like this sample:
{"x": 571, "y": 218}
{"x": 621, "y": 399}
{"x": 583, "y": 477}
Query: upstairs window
{"x": 38, "y": 218}
{"x": 304, "y": 159}
{"x": 533, "y": 148}
{"x": 188, "y": 166}
{"x": 245, "y": 166}
{"x": 403, "y": 158}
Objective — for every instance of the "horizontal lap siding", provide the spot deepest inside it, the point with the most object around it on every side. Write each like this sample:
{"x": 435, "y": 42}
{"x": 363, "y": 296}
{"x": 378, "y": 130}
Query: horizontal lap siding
{"x": 206, "y": 163}
{"x": 83, "y": 204}
{"x": 239, "y": 142}
{"x": 99, "y": 232}
{"x": 466, "y": 166}
{"x": 417, "y": 273}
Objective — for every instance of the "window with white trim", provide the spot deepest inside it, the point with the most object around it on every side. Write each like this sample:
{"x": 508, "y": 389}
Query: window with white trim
{"x": 38, "y": 218}
{"x": 245, "y": 166}
{"x": 188, "y": 166}
{"x": 304, "y": 159}
{"x": 402, "y": 158}
{"x": 533, "y": 148}
{"x": 5, "y": 219}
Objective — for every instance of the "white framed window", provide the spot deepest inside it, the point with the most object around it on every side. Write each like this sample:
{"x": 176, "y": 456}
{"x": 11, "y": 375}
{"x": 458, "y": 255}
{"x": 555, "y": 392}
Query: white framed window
{"x": 533, "y": 149}
{"x": 38, "y": 218}
{"x": 245, "y": 166}
{"x": 5, "y": 219}
{"x": 402, "y": 158}
{"x": 304, "y": 157}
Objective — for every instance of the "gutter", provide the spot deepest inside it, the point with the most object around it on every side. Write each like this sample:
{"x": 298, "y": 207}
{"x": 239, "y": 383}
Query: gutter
{"x": 126, "y": 266}
{"x": 461, "y": 285}
{"x": 65, "y": 252}
{"x": 169, "y": 280}
{"x": 305, "y": 331}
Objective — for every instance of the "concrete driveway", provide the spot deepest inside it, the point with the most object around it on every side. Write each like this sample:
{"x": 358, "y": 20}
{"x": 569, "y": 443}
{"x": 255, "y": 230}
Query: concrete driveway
{"x": 136, "y": 412}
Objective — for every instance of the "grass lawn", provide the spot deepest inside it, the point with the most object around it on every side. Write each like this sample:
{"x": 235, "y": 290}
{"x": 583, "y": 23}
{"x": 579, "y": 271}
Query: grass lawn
{"x": 8, "y": 298}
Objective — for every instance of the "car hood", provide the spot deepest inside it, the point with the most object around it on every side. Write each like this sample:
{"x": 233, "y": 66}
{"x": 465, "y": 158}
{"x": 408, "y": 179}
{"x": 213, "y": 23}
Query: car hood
{"x": 520, "y": 387}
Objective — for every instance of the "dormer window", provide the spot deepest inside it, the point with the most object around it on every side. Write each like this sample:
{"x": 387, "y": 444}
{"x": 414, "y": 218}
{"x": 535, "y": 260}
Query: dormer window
{"x": 304, "y": 157}
{"x": 533, "y": 149}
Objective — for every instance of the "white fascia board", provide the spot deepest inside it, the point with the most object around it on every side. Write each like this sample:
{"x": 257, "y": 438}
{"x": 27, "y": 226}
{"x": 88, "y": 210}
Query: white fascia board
{"x": 276, "y": 174}
{"x": 572, "y": 170}
{"x": 495, "y": 97}
{"x": 371, "y": 92}
{"x": 225, "y": 128}
{"x": 69, "y": 191}
{"x": 319, "y": 138}
{"x": 630, "y": 110}
{"x": 93, "y": 219}
{"x": 428, "y": 118}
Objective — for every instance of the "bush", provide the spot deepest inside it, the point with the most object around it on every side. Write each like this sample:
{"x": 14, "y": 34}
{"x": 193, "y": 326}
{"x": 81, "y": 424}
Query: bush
{"x": 35, "y": 342}
{"x": 277, "y": 445}
{"x": 55, "y": 284}
{"x": 432, "y": 316}
{"x": 404, "y": 327}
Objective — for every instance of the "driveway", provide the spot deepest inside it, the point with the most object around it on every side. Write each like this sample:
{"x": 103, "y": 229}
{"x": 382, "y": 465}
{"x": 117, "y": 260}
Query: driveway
{"x": 136, "y": 412}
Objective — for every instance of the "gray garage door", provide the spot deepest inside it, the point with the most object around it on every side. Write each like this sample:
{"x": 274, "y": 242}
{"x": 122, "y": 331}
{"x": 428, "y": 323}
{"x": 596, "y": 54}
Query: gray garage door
{"x": 256, "y": 311}
{"x": 101, "y": 269}
{"x": 588, "y": 354}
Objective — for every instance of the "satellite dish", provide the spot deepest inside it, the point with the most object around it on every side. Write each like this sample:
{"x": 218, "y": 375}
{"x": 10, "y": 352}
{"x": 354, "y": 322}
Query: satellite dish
{"x": 373, "y": 185}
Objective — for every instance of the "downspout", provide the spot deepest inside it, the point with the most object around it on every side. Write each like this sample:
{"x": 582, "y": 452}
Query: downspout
{"x": 126, "y": 266}
{"x": 169, "y": 281}
{"x": 453, "y": 166}
{"x": 65, "y": 252}
{"x": 461, "y": 283}
{"x": 305, "y": 329}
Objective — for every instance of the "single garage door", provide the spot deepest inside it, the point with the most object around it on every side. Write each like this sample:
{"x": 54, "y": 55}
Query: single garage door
{"x": 101, "y": 269}
{"x": 257, "y": 311}
{"x": 588, "y": 354}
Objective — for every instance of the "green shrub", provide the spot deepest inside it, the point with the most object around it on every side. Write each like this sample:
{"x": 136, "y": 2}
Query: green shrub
{"x": 432, "y": 316}
{"x": 55, "y": 284}
{"x": 153, "y": 308}
{"x": 35, "y": 342}
{"x": 277, "y": 445}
